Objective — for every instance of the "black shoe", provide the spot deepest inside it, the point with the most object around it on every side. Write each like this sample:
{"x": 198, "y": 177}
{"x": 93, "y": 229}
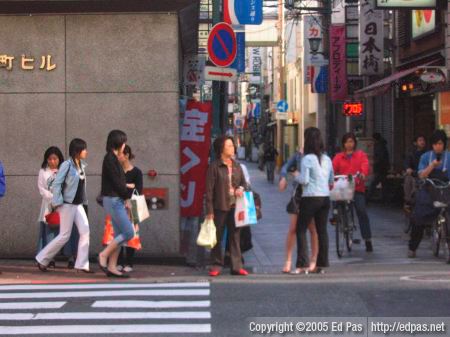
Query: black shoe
{"x": 52, "y": 264}
{"x": 369, "y": 247}
{"x": 71, "y": 264}
{"x": 42, "y": 268}
{"x": 111, "y": 274}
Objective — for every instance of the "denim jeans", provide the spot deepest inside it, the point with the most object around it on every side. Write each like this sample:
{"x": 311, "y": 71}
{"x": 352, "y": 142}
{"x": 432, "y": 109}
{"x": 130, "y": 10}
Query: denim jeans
{"x": 123, "y": 228}
{"x": 363, "y": 218}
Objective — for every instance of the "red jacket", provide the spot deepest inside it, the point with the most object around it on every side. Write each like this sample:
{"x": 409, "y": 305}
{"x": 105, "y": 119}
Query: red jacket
{"x": 358, "y": 162}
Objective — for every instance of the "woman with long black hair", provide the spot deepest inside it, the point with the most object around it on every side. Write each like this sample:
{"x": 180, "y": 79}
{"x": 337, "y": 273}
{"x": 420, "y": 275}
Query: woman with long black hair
{"x": 116, "y": 201}
{"x": 316, "y": 176}
{"x": 69, "y": 196}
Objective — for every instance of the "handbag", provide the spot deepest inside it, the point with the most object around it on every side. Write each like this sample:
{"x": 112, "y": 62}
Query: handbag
{"x": 53, "y": 220}
{"x": 293, "y": 206}
{"x": 207, "y": 236}
{"x": 139, "y": 208}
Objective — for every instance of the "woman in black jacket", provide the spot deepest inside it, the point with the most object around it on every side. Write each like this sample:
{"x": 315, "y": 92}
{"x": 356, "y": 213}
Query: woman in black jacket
{"x": 116, "y": 203}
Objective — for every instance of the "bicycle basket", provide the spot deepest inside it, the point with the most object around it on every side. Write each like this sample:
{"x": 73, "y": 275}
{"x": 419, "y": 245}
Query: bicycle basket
{"x": 343, "y": 189}
{"x": 440, "y": 194}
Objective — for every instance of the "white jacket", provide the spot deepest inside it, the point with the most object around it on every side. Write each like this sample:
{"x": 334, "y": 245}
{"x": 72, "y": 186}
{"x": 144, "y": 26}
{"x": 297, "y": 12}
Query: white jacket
{"x": 45, "y": 180}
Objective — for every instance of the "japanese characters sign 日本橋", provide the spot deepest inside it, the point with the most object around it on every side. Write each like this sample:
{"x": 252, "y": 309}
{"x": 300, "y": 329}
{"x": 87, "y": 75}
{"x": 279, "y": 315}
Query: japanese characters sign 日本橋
{"x": 371, "y": 35}
{"x": 338, "y": 66}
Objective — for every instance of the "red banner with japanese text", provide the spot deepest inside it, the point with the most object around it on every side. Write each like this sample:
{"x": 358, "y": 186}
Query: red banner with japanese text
{"x": 195, "y": 140}
{"x": 338, "y": 63}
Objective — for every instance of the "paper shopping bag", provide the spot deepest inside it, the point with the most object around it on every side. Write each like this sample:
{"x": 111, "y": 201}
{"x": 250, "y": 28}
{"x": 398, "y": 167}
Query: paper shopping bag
{"x": 139, "y": 208}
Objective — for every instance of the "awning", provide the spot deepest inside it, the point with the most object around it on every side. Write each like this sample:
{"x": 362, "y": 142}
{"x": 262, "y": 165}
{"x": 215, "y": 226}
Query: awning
{"x": 383, "y": 85}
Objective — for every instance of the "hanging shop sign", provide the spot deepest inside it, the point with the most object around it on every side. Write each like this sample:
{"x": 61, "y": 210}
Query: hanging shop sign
{"x": 338, "y": 66}
{"x": 371, "y": 34}
{"x": 319, "y": 79}
{"x": 405, "y": 4}
{"x": 313, "y": 45}
{"x": 423, "y": 22}
{"x": 254, "y": 64}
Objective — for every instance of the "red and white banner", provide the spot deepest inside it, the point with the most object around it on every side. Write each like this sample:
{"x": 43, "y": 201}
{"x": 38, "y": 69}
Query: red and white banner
{"x": 338, "y": 63}
{"x": 195, "y": 142}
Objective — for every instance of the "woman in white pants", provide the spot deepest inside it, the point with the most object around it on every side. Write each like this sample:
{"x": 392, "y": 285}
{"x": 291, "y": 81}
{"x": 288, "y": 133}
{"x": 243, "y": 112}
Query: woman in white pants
{"x": 69, "y": 196}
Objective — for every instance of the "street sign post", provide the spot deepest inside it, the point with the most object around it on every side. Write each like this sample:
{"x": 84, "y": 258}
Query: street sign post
{"x": 220, "y": 74}
{"x": 222, "y": 46}
{"x": 282, "y": 106}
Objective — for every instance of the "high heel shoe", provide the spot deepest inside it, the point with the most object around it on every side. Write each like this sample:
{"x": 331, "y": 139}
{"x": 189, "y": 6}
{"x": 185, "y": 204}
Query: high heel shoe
{"x": 287, "y": 267}
{"x": 111, "y": 274}
{"x": 102, "y": 268}
{"x": 42, "y": 268}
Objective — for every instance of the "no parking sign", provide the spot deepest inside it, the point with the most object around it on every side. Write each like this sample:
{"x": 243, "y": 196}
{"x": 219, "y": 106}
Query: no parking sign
{"x": 222, "y": 47}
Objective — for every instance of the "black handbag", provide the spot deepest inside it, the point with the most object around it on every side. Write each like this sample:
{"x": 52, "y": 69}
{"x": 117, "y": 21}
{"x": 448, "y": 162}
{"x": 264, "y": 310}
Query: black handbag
{"x": 293, "y": 205}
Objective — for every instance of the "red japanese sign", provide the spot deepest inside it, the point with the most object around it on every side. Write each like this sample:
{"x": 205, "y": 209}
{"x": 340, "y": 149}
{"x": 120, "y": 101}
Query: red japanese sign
{"x": 195, "y": 142}
{"x": 338, "y": 63}
{"x": 352, "y": 109}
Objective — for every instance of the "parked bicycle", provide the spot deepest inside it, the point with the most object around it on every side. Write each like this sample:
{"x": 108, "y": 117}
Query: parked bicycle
{"x": 343, "y": 212}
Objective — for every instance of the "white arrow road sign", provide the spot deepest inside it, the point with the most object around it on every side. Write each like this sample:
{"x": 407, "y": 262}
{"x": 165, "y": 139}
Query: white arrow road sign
{"x": 220, "y": 74}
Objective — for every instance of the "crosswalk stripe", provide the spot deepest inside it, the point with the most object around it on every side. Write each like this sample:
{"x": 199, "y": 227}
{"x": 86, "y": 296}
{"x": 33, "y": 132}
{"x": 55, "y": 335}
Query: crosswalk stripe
{"x": 106, "y": 315}
{"x": 151, "y": 304}
{"x": 104, "y": 329}
{"x": 105, "y": 286}
{"x": 31, "y": 305}
{"x": 119, "y": 293}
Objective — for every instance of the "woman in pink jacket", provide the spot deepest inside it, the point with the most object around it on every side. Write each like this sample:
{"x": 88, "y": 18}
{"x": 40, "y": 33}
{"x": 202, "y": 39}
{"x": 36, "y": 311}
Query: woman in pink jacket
{"x": 353, "y": 161}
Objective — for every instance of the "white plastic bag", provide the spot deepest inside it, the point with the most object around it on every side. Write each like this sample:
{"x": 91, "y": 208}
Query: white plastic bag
{"x": 207, "y": 237}
{"x": 343, "y": 190}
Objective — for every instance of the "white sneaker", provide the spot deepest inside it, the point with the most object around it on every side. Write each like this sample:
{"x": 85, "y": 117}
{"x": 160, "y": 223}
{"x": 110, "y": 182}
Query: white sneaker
{"x": 119, "y": 267}
{"x": 127, "y": 269}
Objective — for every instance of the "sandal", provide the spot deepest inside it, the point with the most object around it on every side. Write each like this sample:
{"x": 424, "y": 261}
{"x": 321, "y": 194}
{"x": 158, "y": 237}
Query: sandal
{"x": 287, "y": 267}
{"x": 317, "y": 270}
{"x": 299, "y": 271}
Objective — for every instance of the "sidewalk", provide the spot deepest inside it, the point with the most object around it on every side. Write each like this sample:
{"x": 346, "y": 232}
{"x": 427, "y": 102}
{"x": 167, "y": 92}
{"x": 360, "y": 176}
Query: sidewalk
{"x": 269, "y": 236}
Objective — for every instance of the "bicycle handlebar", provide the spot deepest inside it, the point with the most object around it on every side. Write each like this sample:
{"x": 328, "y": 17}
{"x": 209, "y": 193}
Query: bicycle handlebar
{"x": 437, "y": 183}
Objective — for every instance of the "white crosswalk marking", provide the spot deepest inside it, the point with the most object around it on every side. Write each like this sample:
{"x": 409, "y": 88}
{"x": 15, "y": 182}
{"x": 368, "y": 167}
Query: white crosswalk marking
{"x": 188, "y": 312}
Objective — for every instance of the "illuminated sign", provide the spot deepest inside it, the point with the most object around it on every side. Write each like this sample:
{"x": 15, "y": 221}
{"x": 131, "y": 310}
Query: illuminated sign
{"x": 423, "y": 22}
{"x": 407, "y": 4}
{"x": 352, "y": 109}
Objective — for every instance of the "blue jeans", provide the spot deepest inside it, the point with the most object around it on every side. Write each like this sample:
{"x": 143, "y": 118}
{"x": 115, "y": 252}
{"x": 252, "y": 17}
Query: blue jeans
{"x": 363, "y": 218}
{"x": 123, "y": 228}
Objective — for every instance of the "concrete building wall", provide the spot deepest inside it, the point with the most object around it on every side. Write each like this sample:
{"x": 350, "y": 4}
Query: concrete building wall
{"x": 113, "y": 71}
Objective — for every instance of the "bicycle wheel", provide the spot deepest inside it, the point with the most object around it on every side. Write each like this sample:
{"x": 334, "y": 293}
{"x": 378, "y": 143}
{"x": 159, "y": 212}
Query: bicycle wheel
{"x": 340, "y": 231}
{"x": 436, "y": 235}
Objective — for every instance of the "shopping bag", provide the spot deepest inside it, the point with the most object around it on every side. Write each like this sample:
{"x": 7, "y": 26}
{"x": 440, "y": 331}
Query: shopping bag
{"x": 207, "y": 237}
{"x": 245, "y": 213}
{"x": 108, "y": 235}
{"x": 251, "y": 217}
{"x": 139, "y": 208}
{"x": 108, "y": 232}
{"x": 53, "y": 220}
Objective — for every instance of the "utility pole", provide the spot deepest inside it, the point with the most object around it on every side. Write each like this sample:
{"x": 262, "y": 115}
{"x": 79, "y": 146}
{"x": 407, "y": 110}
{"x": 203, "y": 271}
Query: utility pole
{"x": 281, "y": 81}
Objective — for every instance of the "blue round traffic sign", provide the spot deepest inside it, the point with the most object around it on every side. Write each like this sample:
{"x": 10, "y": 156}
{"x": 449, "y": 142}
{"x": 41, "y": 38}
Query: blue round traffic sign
{"x": 222, "y": 46}
{"x": 282, "y": 106}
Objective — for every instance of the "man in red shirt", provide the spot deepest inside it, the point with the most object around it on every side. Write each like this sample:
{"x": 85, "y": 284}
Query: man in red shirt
{"x": 352, "y": 161}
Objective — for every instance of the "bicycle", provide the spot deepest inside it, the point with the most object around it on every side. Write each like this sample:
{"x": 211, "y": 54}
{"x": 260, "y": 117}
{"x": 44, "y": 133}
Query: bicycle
{"x": 440, "y": 194}
{"x": 343, "y": 212}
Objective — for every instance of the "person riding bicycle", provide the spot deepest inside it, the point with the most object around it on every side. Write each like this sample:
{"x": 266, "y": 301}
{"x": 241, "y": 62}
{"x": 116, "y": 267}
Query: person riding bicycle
{"x": 352, "y": 162}
{"x": 411, "y": 168}
{"x": 434, "y": 164}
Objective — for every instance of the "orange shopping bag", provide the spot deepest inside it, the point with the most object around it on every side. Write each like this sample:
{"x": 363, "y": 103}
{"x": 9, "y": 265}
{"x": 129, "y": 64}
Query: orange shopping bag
{"x": 108, "y": 235}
